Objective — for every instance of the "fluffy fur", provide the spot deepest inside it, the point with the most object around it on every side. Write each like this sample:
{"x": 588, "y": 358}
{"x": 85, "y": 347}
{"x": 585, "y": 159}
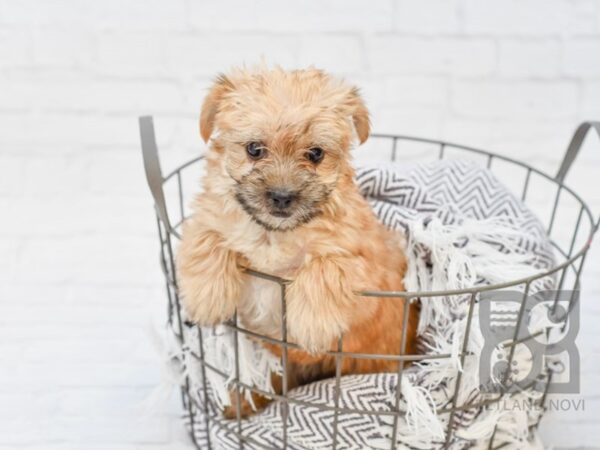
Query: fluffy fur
{"x": 328, "y": 243}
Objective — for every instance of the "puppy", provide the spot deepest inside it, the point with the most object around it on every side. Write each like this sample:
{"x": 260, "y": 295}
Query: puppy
{"x": 279, "y": 197}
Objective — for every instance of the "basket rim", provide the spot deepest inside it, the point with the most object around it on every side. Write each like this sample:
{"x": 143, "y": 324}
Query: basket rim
{"x": 561, "y": 185}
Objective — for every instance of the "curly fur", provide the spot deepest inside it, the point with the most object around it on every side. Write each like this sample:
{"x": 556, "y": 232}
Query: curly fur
{"x": 330, "y": 245}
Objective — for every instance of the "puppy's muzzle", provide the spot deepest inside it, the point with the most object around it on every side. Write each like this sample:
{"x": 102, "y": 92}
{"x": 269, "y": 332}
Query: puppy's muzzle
{"x": 281, "y": 201}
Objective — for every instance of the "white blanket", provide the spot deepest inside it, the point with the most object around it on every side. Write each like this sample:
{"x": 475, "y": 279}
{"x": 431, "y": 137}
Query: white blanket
{"x": 464, "y": 229}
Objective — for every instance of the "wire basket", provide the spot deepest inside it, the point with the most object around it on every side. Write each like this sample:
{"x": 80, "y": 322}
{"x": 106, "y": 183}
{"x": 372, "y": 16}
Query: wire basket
{"x": 571, "y": 243}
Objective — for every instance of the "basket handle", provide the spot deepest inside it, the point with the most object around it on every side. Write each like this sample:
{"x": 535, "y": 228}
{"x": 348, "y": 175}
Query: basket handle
{"x": 574, "y": 147}
{"x": 573, "y": 150}
{"x": 152, "y": 168}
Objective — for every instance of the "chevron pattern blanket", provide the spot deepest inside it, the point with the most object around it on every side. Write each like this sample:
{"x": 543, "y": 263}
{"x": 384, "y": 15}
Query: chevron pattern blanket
{"x": 464, "y": 229}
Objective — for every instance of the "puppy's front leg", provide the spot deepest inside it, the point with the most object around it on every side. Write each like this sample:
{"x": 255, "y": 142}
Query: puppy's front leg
{"x": 321, "y": 303}
{"x": 209, "y": 277}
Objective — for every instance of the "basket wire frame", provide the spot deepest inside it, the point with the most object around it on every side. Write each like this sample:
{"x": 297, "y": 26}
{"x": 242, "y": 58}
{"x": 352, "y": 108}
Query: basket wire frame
{"x": 573, "y": 258}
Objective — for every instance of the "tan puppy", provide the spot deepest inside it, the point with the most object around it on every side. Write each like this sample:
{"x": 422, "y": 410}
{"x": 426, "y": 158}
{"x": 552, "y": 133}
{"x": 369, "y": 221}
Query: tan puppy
{"x": 279, "y": 197}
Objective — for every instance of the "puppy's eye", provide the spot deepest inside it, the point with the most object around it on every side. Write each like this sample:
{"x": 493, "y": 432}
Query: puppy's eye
{"x": 315, "y": 155}
{"x": 255, "y": 150}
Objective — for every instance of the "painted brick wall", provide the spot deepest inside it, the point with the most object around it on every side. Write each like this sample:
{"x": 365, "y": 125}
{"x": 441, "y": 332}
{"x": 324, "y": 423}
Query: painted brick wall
{"x": 79, "y": 278}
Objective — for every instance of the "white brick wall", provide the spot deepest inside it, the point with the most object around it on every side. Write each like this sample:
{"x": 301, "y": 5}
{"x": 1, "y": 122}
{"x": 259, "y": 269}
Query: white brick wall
{"x": 79, "y": 275}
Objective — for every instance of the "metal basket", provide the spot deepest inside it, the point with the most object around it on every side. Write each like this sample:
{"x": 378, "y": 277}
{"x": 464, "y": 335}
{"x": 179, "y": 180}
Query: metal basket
{"x": 570, "y": 252}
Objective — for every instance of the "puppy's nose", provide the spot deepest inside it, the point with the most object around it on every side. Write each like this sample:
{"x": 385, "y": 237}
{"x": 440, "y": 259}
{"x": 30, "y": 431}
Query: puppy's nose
{"x": 281, "y": 199}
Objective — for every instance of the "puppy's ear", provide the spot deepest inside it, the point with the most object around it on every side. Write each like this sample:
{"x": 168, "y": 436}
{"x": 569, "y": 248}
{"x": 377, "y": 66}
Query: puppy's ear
{"x": 360, "y": 115}
{"x": 211, "y": 104}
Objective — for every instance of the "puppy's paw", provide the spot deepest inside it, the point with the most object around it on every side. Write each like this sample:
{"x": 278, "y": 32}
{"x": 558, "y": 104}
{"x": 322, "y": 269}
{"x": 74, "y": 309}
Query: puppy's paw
{"x": 321, "y": 306}
{"x": 209, "y": 279}
{"x": 247, "y": 408}
{"x": 315, "y": 332}
{"x": 210, "y": 301}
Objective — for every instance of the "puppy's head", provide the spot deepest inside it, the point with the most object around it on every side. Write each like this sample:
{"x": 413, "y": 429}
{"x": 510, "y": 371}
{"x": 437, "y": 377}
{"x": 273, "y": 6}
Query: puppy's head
{"x": 284, "y": 138}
